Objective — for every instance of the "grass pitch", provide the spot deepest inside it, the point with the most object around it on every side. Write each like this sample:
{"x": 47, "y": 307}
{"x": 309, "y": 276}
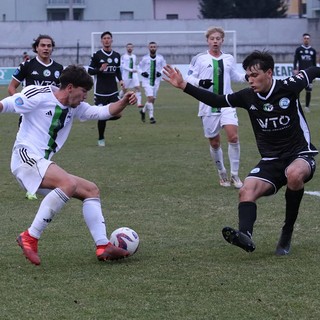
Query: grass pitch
{"x": 160, "y": 181}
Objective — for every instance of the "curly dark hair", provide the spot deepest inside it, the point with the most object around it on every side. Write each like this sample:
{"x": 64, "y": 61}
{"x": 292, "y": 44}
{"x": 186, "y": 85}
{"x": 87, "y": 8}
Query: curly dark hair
{"x": 76, "y": 75}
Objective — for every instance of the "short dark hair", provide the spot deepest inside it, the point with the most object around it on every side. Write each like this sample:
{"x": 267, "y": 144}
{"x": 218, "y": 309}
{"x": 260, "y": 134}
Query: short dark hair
{"x": 104, "y": 33}
{"x": 37, "y": 41}
{"x": 306, "y": 35}
{"x": 263, "y": 59}
{"x": 76, "y": 75}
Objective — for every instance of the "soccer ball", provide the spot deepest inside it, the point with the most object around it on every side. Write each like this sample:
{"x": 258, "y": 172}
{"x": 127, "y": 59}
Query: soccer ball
{"x": 126, "y": 239}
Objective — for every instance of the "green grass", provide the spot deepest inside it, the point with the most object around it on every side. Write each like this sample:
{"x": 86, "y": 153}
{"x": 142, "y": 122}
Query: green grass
{"x": 160, "y": 181}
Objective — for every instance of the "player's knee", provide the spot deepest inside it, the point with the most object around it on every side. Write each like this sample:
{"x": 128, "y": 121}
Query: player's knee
{"x": 92, "y": 190}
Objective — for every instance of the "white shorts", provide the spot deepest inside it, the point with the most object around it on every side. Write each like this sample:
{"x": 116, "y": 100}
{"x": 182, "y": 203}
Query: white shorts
{"x": 213, "y": 124}
{"x": 28, "y": 168}
{"x": 131, "y": 83}
{"x": 151, "y": 91}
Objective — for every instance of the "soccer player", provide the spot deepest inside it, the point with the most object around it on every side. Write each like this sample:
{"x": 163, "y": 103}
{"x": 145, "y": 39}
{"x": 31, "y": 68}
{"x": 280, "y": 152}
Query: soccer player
{"x": 151, "y": 66}
{"x": 105, "y": 66}
{"x": 304, "y": 57}
{"x": 282, "y": 136}
{"x": 41, "y": 70}
{"x": 129, "y": 72}
{"x": 48, "y": 114}
{"x": 214, "y": 70}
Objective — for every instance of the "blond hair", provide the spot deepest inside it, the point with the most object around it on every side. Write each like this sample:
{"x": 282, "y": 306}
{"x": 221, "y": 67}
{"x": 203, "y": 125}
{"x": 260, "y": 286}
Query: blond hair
{"x": 213, "y": 30}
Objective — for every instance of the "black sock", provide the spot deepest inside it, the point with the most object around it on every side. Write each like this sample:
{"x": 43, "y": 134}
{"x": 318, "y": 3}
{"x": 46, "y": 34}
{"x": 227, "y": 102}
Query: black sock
{"x": 293, "y": 200}
{"x": 247, "y": 216}
{"x": 308, "y": 99}
{"x": 101, "y": 128}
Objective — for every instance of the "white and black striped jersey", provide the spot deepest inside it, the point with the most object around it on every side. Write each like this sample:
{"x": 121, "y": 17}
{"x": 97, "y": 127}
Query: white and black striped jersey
{"x": 105, "y": 81}
{"x": 46, "y": 122}
{"x": 35, "y": 72}
{"x": 277, "y": 119}
{"x": 221, "y": 71}
{"x": 304, "y": 58}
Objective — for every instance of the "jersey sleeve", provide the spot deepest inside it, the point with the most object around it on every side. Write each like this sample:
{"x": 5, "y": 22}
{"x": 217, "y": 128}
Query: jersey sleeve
{"x": 94, "y": 67}
{"x": 193, "y": 72}
{"x": 19, "y": 103}
{"x": 21, "y": 72}
{"x": 234, "y": 74}
{"x": 85, "y": 111}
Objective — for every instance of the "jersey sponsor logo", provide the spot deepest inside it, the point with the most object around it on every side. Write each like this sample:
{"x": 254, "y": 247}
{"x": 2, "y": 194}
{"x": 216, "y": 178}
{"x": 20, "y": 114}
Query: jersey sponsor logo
{"x": 274, "y": 122}
{"x": 44, "y": 83}
{"x": 18, "y": 101}
{"x": 284, "y": 103}
{"x": 110, "y": 69}
{"x": 209, "y": 66}
{"x": 252, "y": 107}
{"x": 46, "y": 73}
{"x": 49, "y": 113}
{"x": 255, "y": 170}
{"x": 35, "y": 72}
{"x": 267, "y": 107}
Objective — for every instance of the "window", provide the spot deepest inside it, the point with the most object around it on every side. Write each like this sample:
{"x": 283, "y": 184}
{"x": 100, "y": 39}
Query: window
{"x": 172, "y": 16}
{"x": 126, "y": 15}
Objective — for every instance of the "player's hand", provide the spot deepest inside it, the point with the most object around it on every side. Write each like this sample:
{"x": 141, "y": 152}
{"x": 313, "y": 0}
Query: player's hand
{"x": 205, "y": 83}
{"x": 174, "y": 77}
{"x": 103, "y": 66}
{"x": 158, "y": 74}
{"x": 130, "y": 97}
{"x": 145, "y": 74}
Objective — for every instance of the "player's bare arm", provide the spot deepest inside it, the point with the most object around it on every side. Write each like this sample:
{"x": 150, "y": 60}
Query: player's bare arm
{"x": 129, "y": 98}
{"x": 174, "y": 77}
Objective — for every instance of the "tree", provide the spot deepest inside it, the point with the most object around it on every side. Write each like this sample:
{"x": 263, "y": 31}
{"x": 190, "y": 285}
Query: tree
{"x": 226, "y": 9}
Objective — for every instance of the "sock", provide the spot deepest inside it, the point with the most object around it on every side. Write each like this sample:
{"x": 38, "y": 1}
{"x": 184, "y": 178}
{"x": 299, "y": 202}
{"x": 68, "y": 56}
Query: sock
{"x": 51, "y": 204}
{"x": 145, "y": 107}
{"x": 247, "y": 217}
{"x": 217, "y": 157}
{"x": 234, "y": 157}
{"x": 293, "y": 200}
{"x": 101, "y": 128}
{"x": 94, "y": 219}
{"x": 308, "y": 99}
{"x": 149, "y": 107}
{"x": 138, "y": 95}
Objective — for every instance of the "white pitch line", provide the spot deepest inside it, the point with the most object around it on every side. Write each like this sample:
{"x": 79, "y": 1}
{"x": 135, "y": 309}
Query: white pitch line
{"x": 313, "y": 193}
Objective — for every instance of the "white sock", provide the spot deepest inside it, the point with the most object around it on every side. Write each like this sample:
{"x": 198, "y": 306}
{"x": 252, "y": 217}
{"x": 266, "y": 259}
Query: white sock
{"x": 94, "y": 219}
{"x": 150, "y": 109}
{"x": 52, "y": 203}
{"x": 217, "y": 157}
{"x": 234, "y": 157}
{"x": 138, "y": 95}
{"x": 145, "y": 107}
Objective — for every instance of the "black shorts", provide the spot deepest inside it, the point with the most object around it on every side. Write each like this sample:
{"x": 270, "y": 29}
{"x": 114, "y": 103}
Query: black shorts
{"x": 104, "y": 100}
{"x": 274, "y": 171}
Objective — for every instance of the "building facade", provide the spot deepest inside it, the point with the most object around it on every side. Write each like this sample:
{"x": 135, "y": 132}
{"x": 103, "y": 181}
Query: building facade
{"x": 89, "y": 10}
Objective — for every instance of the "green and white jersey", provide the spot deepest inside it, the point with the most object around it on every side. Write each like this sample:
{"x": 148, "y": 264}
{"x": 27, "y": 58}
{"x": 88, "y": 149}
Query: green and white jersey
{"x": 222, "y": 71}
{"x": 46, "y": 122}
{"x": 128, "y": 65}
{"x": 152, "y": 66}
